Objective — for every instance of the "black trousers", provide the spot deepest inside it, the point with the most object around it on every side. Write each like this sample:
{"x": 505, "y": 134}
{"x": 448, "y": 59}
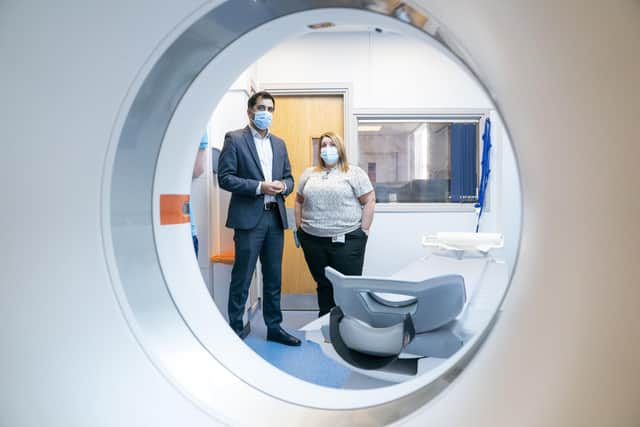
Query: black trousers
{"x": 320, "y": 252}
{"x": 265, "y": 241}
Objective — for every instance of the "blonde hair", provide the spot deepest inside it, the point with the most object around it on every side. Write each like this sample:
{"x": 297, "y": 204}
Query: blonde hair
{"x": 343, "y": 163}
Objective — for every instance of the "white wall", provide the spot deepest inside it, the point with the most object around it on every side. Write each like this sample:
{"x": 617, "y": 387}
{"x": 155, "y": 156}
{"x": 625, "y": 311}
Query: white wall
{"x": 386, "y": 70}
{"x": 230, "y": 114}
{"x": 393, "y": 73}
{"x": 209, "y": 201}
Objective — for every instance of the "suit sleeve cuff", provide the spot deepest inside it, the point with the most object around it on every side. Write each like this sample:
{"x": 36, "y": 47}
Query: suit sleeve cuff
{"x": 258, "y": 188}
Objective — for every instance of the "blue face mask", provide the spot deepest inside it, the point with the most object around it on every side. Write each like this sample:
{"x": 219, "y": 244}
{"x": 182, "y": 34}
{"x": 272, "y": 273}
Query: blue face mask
{"x": 329, "y": 154}
{"x": 262, "y": 119}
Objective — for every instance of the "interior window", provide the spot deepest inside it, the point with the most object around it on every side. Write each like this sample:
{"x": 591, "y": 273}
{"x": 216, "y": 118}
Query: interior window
{"x": 420, "y": 161}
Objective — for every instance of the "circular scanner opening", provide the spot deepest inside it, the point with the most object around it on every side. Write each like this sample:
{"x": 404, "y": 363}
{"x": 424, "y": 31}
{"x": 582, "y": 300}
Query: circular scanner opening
{"x": 155, "y": 276}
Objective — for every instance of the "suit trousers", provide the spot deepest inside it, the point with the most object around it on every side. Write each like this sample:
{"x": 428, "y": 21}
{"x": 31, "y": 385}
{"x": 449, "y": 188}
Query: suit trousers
{"x": 265, "y": 241}
{"x": 320, "y": 252}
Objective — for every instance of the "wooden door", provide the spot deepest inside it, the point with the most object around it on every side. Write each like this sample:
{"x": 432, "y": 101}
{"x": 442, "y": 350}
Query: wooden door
{"x": 298, "y": 119}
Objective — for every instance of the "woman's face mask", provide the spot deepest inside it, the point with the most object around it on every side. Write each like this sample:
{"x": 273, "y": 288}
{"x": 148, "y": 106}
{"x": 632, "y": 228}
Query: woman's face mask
{"x": 329, "y": 155}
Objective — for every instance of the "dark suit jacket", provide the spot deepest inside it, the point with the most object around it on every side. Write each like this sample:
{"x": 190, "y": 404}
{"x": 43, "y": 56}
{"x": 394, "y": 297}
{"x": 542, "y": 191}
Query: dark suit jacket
{"x": 239, "y": 172}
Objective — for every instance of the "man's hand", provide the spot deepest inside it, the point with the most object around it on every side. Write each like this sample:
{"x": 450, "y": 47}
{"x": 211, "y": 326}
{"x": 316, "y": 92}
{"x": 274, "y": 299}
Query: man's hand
{"x": 271, "y": 188}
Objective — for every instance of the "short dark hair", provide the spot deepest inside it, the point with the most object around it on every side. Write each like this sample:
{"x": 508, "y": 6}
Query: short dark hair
{"x": 262, "y": 94}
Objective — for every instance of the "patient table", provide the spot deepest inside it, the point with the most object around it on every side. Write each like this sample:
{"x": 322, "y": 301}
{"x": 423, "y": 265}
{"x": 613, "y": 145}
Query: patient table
{"x": 397, "y": 327}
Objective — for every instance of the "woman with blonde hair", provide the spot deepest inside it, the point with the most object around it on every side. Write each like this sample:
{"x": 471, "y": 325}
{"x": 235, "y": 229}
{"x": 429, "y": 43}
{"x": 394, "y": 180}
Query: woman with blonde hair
{"x": 333, "y": 211}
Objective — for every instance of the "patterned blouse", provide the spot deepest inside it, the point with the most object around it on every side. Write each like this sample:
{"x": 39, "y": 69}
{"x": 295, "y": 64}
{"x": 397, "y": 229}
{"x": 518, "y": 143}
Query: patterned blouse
{"x": 331, "y": 206}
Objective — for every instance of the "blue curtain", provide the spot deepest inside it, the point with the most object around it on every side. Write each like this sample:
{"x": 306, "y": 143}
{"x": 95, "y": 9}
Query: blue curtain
{"x": 464, "y": 174}
{"x": 486, "y": 169}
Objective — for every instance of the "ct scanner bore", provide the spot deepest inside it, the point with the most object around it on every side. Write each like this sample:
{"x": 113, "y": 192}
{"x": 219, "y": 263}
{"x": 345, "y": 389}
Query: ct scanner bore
{"x": 161, "y": 100}
{"x": 127, "y": 388}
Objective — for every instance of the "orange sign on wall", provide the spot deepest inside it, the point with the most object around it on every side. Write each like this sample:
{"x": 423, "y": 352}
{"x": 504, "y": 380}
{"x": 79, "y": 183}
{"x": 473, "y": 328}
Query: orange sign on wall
{"x": 174, "y": 209}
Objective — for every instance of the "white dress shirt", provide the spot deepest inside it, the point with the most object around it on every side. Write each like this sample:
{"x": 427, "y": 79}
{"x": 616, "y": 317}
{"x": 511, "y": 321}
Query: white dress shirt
{"x": 265, "y": 154}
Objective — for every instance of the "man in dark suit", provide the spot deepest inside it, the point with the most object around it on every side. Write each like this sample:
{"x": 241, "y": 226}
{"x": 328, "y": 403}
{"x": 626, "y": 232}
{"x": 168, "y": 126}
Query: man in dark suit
{"x": 254, "y": 166}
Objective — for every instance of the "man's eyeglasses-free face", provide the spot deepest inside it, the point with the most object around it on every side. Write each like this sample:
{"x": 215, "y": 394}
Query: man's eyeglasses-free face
{"x": 261, "y": 107}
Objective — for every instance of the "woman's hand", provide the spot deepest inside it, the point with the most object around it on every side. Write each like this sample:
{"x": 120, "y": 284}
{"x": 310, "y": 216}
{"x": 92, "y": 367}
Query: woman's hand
{"x": 368, "y": 202}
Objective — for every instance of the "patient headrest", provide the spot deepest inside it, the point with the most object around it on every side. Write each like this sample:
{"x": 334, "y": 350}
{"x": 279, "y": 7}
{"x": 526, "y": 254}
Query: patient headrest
{"x": 392, "y": 300}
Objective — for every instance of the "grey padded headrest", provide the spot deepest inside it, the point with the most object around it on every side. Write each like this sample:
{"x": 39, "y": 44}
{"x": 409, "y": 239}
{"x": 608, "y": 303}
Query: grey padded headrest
{"x": 392, "y": 300}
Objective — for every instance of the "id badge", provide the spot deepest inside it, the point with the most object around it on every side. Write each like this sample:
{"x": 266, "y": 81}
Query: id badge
{"x": 338, "y": 239}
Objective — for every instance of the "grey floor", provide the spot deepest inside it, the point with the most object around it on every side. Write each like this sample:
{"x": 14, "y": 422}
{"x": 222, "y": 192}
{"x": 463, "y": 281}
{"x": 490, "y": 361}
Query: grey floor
{"x": 303, "y": 302}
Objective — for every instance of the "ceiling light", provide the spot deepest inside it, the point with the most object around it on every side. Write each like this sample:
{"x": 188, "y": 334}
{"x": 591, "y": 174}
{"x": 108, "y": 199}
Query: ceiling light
{"x": 369, "y": 128}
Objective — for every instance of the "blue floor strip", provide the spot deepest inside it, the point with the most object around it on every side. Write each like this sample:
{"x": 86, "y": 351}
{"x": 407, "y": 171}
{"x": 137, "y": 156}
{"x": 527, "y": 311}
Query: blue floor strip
{"x": 306, "y": 362}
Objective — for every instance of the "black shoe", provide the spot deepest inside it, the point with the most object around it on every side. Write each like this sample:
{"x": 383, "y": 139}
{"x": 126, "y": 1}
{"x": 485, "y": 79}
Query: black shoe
{"x": 244, "y": 332}
{"x": 281, "y": 336}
